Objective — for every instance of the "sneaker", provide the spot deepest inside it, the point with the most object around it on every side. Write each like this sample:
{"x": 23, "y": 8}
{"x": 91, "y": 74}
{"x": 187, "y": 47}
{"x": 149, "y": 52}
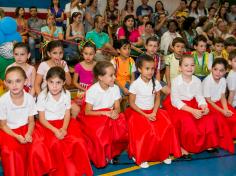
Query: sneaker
{"x": 144, "y": 165}
{"x": 187, "y": 157}
{"x": 167, "y": 161}
{"x": 214, "y": 150}
{"x": 114, "y": 161}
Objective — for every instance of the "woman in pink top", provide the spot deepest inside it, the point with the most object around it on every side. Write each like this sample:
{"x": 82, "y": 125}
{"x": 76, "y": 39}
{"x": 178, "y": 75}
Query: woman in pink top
{"x": 128, "y": 31}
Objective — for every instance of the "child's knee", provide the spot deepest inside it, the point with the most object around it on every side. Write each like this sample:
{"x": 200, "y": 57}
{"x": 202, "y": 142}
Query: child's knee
{"x": 75, "y": 109}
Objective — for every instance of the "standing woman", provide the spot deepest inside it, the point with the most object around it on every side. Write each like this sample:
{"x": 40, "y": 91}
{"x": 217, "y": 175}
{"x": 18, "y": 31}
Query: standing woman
{"x": 22, "y": 25}
{"x": 90, "y": 13}
{"x": 128, "y": 10}
{"x": 57, "y": 11}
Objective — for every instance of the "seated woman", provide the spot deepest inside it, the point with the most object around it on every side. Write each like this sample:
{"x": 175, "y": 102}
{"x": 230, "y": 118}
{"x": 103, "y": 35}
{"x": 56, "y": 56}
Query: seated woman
{"x": 75, "y": 34}
{"x": 128, "y": 9}
{"x": 51, "y": 31}
{"x": 75, "y": 31}
{"x": 189, "y": 33}
{"x": 21, "y": 23}
{"x": 112, "y": 19}
{"x": 129, "y": 32}
{"x": 90, "y": 12}
{"x": 159, "y": 10}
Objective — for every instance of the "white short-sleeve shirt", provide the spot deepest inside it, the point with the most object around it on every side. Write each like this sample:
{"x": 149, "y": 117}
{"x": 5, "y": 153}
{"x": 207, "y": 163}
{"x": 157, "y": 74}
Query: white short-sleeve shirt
{"x": 212, "y": 89}
{"x": 181, "y": 90}
{"x": 43, "y": 70}
{"x": 54, "y": 109}
{"x": 231, "y": 82}
{"x": 100, "y": 98}
{"x": 16, "y": 116}
{"x": 145, "y": 96}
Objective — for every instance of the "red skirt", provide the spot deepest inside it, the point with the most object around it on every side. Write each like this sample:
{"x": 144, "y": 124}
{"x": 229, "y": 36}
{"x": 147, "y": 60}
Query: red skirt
{"x": 68, "y": 156}
{"x": 105, "y": 137}
{"x": 230, "y": 120}
{"x": 14, "y": 154}
{"x": 151, "y": 140}
{"x": 197, "y": 135}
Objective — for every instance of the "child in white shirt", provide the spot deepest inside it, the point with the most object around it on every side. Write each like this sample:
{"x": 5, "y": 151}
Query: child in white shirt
{"x": 104, "y": 126}
{"x": 214, "y": 89}
{"x": 152, "y": 137}
{"x": 17, "y": 110}
{"x": 198, "y": 128}
{"x": 60, "y": 133}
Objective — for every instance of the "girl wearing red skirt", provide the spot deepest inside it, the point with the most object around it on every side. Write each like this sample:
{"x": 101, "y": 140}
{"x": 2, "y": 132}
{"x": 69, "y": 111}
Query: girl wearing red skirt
{"x": 59, "y": 133}
{"x": 214, "y": 87}
{"x": 103, "y": 125}
{"x": 17, "y": 110}
{"x": 198, "y": 128}
{"x": 152, "y": 137}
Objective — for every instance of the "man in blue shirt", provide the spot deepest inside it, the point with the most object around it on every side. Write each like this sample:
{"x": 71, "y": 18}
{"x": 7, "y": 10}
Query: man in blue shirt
{"x": 101, "y": 39}
{"x": 144, "y": 9}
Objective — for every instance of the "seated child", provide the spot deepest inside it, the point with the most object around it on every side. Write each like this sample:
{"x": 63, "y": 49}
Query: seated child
{"x": 214, "y": 89}
{"x": 104, "y": 127}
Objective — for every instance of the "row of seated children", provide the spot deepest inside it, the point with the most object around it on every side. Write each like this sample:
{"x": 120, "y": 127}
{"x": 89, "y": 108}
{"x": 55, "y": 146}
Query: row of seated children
{"x": 193, "y": 128}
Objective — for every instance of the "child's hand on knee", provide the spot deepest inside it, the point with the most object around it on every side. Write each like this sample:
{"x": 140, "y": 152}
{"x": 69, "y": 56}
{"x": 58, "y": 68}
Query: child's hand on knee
{"x": 151, "y": 117}
{"x": 58, "y": 134}
{"x": 114, "y": 114}
{"x": 197, "y": 113}
{"x": 21, "y": 139}
{"x": 227, "y": 113}
{"x": 205, "y": 109}
{"x": 63, "y": 131}
{"x": 28, "y": 137}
